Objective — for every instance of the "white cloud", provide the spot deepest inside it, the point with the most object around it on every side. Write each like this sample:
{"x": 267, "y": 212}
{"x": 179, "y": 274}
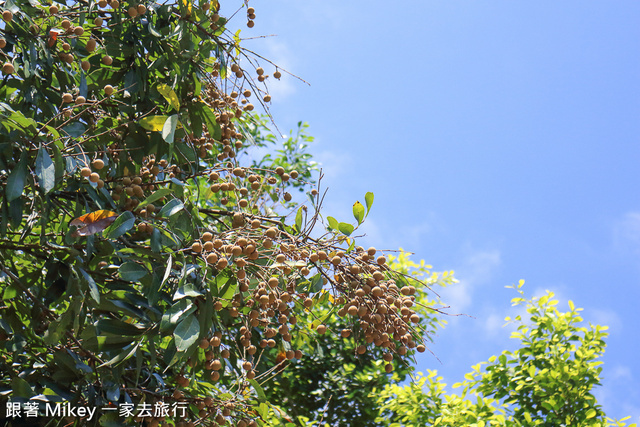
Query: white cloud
{"x": 621, "y": 372}
{"x": 280, "y": 54}
{"x": 626, "y": 233}
{"x": 482, "y": 265}
{"x": 457, "y": 296}
{"x": 604, "y": 317}
{"x": 493, "y": 325}
{"x": 333, "y": 164}
{"x": 477, "y": 269}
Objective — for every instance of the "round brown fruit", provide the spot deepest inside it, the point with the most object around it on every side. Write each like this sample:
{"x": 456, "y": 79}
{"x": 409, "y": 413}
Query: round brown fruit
{"x": 107, "y": 60}
{"x": 53, "y": 9}
{"x": 91, "y": 45}
{"x": 7, "y": 15}
{"x": 277, "y": 74}
{"x": 271, "y": 232}
{"x": 8, "y": 68}
{"x": 97, "y": 164}
{"x": 108, "y": 90}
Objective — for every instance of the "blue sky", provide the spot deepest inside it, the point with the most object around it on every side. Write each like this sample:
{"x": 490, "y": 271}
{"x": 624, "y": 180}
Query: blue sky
{"x": 501, "y": 140}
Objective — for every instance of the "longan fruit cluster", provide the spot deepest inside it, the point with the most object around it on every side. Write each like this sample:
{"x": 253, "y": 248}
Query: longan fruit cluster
{"x": 251, "y": 15}
{"x": 213, "y": 355}
{"x": 381, "y": 311}
{"x": 92, "y": 174}
{"x": 135, "y": 188}
{"x": 239, "y": 182}
{"x": 71, "y": 31}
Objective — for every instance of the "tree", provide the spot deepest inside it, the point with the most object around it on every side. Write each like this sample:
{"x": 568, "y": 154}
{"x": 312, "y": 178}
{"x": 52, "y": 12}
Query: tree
{"x": 145, "y": 259}
{"x": 337, "y": 383}
{"x": 547, "y": 381}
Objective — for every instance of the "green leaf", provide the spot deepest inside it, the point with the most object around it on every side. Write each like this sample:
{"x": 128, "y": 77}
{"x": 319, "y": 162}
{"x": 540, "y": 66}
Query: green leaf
{"x": 118, "y": 328}
{"x": 196, "y": 120}
{"x": 368, "y": 199}
{"x": 156, "y": 244}
{"x": 171, "y": 208}
{"x": 178, "y": 311}
{"x": 591, "y": 413}
{"x": 299, "y": 219}
{"x": 169, "y": 128}
{"x": 358, "y": 212}
{"x": 333, "y": 223}
{"x": 229, "y": 291}
{"x": 259, "y": 391}
{"x": 45, "y": 170}
{"x": 209, "y": 118}
{"x": 187, "y": 290}
{"x": 17, "y": 179}
{"x": 153, "y": 123}
{"x": 186, "y": 333}
{"x": 169, "y": 95}
{"x": 75, "y": 129}
{"x": 167, "y": 271}
{"x": 110, "y": 419}
{"x": 122, "y": 356}
{"x": 132, "y": 271}
{"x": 157, "y": 195}
{"x": 345, "y": 228}
{"x": 121, "y": 225}
{"x": 316, "y": 283}
{"x": 153, "y": 291}
{"x": 93, "y": 288}
{"x": 21, "y": 388}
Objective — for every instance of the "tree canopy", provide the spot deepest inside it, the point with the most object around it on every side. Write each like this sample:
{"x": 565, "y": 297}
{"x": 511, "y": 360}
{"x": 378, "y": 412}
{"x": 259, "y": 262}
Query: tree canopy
{"x": 152, "y": 268}
{"x": 548, "y": 380}
{"x": 147, "y": 261}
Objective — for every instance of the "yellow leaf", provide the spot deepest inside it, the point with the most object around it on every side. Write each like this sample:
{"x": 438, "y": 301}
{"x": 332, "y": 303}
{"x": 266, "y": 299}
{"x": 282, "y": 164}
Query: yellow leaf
{"x": 93, "y": 222}
{"x": 153, "y": 123}
{"x": 187, "y": 4}
{"x": 168, "y": 93}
